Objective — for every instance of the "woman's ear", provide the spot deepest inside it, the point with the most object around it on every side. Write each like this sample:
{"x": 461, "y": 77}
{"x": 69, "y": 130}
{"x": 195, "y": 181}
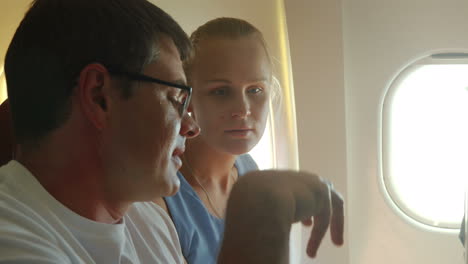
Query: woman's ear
{"x": 94, "y": 88}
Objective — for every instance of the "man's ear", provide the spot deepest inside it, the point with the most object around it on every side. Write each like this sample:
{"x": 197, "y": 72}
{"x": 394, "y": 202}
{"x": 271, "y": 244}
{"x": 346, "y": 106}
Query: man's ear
{"x": 94, "y": 93}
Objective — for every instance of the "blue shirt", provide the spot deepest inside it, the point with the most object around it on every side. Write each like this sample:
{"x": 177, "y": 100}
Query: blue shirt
{"x": 200, "y": 233}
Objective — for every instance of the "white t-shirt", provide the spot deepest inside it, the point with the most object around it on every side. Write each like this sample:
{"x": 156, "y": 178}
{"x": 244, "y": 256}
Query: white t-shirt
{"x": 36, "y": 228}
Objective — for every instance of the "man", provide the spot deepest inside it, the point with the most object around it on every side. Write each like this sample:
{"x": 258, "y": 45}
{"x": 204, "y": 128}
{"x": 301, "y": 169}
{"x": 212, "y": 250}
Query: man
{"x": 99, "y": 108}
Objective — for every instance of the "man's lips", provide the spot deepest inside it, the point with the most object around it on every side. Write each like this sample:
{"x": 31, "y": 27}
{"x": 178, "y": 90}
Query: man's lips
{"x": 176, "y": 156}
{"x": 178, "y": 151}
{"x": 178, "y": 161}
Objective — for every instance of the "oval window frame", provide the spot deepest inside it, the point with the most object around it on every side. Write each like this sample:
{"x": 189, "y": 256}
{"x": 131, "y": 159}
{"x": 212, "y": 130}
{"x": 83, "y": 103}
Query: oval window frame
{"x": 391, "y": 197}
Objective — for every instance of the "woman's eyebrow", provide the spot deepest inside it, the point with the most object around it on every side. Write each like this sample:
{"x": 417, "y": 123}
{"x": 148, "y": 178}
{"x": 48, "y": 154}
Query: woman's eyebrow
{"x": 218, "y": 80}
{"x": 259, "y": 80}
{"x": 228, "y": 81}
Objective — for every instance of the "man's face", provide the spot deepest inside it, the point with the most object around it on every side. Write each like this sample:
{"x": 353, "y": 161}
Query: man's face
{"x": 147, "y": 133}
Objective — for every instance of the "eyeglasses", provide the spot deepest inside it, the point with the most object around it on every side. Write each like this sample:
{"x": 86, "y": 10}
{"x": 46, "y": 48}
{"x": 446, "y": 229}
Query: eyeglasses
{"x": 140, "y": 77}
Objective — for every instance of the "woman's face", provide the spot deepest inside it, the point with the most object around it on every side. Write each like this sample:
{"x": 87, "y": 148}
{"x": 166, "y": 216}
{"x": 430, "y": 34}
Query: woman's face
{"x": 231, "y": 89}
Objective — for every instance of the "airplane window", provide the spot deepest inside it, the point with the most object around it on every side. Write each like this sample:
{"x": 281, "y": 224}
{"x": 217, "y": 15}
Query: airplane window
{"x": 263, "y": 152}
{"x": 425, "y": 140}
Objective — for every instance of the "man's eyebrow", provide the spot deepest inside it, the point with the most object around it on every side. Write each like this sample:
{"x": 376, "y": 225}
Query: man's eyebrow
{"x": 180, "y": 82}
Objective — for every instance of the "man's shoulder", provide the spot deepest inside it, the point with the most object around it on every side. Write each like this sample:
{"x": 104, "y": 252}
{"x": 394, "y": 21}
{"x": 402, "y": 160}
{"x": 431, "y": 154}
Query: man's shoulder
{"x": 20, "y": 195}
{"x": 151, "y": 225}
{"x": 25, "y": 235}
{"x": 28, "y": 230}
{"x": 140, "y": 212}
{"x": 14, "y": 205}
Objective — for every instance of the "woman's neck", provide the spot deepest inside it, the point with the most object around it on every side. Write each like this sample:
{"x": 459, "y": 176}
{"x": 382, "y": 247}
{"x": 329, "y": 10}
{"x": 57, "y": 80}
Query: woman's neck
{"x": 213, "y": 168}
{"x": 211, "y": 173}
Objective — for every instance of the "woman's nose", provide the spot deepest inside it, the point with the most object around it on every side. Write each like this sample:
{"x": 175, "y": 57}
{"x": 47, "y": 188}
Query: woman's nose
{"x": 241, "y": 108}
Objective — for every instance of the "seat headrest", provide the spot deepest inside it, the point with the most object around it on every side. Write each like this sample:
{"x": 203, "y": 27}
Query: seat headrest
{"x": 7, "y": 141}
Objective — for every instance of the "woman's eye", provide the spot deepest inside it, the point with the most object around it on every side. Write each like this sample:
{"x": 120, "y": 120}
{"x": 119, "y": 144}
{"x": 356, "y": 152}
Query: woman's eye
{"x": 255, "y": 90}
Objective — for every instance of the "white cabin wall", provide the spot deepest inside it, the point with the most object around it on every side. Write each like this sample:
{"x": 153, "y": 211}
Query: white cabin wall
{"x": 11, "y": 13}
{"x": 380, "y": 38}
{"x": 315, "y": 35}
{"x": 375, "y": 39}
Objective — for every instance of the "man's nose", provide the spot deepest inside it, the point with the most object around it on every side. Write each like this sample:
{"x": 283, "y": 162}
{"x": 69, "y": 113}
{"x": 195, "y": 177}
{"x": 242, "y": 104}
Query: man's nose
{"x": 189, "y": 127}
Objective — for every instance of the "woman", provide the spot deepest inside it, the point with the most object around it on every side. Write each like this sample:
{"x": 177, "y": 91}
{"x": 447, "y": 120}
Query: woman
{"x": 231, "y": 74}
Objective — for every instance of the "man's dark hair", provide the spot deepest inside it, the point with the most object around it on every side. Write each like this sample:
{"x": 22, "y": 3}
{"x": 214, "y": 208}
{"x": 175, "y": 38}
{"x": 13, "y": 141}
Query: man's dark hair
{"x": 58, "y": 38}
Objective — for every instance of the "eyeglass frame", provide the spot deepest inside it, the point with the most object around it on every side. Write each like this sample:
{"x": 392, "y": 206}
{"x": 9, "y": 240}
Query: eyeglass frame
{"x": 141, "y": 77}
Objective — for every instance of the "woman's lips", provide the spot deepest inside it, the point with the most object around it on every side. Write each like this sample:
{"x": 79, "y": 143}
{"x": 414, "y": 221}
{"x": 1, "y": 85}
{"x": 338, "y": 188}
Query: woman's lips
{"x": 239, "y": 133}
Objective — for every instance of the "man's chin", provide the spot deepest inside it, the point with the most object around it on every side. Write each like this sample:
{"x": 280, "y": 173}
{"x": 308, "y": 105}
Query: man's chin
{"x": 172, "y": 187}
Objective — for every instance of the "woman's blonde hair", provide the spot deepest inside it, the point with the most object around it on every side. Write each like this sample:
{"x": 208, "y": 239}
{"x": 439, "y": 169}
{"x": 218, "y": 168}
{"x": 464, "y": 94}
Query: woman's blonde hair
{"x": 223, "y": 27}
{"x": 230, "y": 28}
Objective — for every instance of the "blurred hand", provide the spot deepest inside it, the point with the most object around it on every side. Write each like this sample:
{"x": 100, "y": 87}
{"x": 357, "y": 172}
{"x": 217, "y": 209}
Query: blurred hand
{"x": 294, "y": 196}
